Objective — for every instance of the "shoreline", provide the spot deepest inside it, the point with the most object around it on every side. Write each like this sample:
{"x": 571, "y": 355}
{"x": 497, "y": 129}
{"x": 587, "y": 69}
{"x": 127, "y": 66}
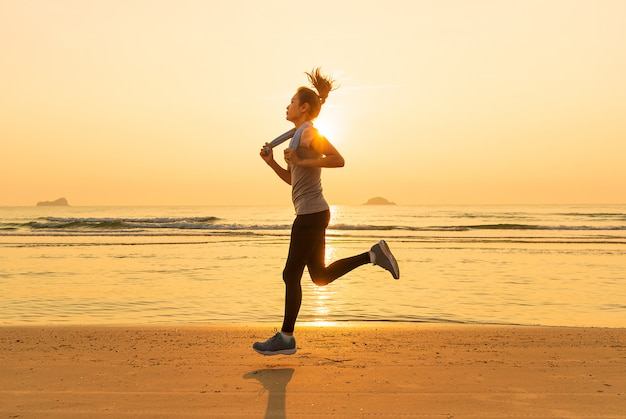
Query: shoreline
{"x": 269, "y": 327}
{"x": 304, "y": 324}
{"x": 356, "y": 370}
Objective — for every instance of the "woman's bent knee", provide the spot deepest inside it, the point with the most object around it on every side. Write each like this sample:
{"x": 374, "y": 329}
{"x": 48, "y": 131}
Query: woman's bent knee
{"x": 319, "y": 280}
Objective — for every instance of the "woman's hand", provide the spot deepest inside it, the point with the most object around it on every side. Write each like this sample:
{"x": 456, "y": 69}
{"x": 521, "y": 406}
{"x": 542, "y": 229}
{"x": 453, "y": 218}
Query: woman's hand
{"x": 291, "y": 156}
{"x": 265, "y": 155}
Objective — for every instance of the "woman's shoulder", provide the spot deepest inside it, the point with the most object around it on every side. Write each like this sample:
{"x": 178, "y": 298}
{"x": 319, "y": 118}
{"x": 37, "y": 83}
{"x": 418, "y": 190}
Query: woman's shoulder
{"x": 308, "y": 135}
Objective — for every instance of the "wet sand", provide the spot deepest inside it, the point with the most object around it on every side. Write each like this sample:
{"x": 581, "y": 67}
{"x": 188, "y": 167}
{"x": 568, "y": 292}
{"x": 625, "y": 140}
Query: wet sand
{"x": 350, "y": 370}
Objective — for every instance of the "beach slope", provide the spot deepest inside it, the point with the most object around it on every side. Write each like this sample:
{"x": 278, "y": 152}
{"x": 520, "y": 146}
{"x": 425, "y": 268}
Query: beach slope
{"x": 381, "y": 370}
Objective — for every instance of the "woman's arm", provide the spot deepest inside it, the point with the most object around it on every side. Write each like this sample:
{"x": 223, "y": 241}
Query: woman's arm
{"x": 330, "y": 156}
{"x": 284, "y": 174}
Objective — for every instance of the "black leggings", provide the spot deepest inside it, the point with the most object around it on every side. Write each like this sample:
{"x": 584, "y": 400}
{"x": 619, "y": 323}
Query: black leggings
{"x": 307, "y": 248}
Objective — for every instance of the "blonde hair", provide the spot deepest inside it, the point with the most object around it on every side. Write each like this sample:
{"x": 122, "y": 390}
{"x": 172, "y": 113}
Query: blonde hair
{"x": 323, "y": 84}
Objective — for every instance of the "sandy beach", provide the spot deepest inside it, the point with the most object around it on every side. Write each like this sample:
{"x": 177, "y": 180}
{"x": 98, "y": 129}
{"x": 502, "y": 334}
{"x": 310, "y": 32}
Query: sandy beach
{"x": 350, "y": 370}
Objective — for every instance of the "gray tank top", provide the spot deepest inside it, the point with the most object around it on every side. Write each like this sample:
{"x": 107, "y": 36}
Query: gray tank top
{"x": 306, "y": 184}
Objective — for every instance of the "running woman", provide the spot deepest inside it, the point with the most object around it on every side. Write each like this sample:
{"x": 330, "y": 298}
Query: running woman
{"x": 308, "y": 232}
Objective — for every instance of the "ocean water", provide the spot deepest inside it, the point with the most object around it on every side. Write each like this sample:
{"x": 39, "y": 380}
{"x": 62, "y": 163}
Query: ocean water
{"x": 529, "y": 265}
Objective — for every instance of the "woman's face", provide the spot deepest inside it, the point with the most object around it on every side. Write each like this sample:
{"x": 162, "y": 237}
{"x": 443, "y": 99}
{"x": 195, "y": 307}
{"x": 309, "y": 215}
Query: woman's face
{"x": 294, "y": 110}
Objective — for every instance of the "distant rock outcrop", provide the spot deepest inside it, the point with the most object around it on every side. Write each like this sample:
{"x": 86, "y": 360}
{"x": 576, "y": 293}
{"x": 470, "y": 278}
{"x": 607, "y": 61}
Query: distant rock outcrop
{"x": 61, "y": 202}
{"x": 379, "y": 201}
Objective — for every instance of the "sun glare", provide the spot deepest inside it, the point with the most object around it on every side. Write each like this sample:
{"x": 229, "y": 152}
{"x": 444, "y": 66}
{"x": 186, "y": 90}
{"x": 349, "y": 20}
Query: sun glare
{"x": 327, "y": 126}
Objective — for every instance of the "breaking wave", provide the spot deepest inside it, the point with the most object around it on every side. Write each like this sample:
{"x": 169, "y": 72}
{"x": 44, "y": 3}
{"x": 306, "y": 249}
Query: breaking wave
{"x": 208, "y": 224}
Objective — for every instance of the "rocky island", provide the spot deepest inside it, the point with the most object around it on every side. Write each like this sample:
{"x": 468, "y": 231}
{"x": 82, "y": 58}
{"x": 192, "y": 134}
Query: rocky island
{"x": 61, "y": 202}
{"x": 379, "y": 201}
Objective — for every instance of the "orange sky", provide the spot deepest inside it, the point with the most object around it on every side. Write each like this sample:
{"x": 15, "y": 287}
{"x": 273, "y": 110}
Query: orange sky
{"x": 441, "y": 102}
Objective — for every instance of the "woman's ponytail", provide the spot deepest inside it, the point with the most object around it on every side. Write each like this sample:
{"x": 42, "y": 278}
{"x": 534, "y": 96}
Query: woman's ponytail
{"x": 323, "y": 84}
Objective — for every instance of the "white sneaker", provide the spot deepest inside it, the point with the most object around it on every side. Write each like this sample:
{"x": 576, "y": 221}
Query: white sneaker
{"x": 384, "y": 258}
{"x": 276, "y": 345}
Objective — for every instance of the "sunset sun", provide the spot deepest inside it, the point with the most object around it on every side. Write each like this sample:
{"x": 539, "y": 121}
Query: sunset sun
{"x": 328, "y": 125}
